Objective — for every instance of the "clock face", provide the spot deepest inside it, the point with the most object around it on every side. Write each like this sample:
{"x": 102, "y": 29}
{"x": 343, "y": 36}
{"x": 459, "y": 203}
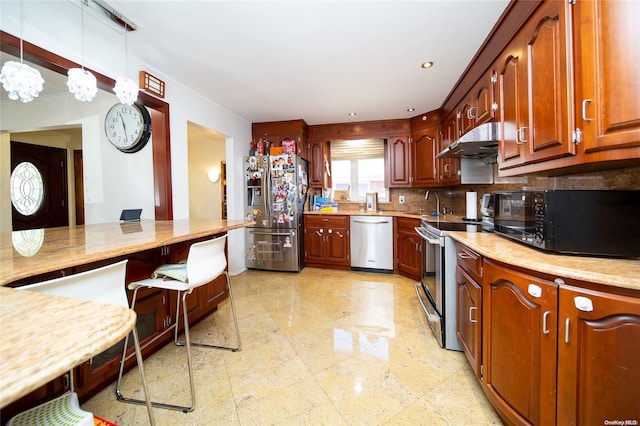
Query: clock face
{"x": 128, "y": 127}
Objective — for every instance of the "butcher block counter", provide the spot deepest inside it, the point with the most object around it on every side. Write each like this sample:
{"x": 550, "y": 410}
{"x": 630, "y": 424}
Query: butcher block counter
{"x": 34, "y": 252}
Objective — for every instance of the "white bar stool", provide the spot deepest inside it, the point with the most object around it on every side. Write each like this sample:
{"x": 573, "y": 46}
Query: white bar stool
{"x": 103, "y": 285}
{"x": 206, "y": 261}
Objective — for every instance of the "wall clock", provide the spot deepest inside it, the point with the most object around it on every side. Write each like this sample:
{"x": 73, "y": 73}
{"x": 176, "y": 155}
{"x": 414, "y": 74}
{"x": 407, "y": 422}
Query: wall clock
{"x": 128, "y": 127}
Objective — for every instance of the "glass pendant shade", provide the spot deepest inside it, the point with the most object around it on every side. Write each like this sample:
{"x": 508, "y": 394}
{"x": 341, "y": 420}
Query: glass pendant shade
{"x": 126, "y": 90}
{"x": 21, "y": 81}
{"x": 82, "y": 84}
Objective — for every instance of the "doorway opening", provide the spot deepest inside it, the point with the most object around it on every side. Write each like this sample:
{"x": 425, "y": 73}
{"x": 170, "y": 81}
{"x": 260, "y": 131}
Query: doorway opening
{"x": 207, "y": 172}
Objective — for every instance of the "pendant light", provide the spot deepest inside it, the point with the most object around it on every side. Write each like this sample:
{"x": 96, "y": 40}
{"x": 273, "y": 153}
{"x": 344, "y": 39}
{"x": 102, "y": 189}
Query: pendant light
{"x": 126, "y": 89}
{"x": 21, "y": 81}
{"x": 81, "y": 82}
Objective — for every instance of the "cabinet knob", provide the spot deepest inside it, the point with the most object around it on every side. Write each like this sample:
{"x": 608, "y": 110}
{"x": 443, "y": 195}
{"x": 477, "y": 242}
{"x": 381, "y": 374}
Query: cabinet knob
{"x": 583, "y": 303}
{"x": 534, "y": 290}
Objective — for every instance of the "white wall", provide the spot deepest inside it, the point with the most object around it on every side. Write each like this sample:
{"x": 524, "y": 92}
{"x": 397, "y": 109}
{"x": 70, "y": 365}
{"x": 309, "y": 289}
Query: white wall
{"x": 54, "y": 26}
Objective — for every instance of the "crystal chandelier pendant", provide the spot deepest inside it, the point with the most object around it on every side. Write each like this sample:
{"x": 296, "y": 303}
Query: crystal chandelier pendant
{"x": 126, "y": 90}
{"x": 82, "y": 84}
{"x": 21, "y": 81}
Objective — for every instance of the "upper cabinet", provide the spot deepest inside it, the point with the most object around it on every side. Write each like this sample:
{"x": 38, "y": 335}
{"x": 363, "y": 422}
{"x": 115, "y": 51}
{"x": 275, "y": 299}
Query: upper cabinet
{"x": 607, "y": 91}
{"x": 397, "y": 153}
{"x": 535, "y": 87}
{"x": 319, "y": 156}
{"x": 424, "y": 147}
{"x": 276, "y": 131}
{"x": 569, "y": 88}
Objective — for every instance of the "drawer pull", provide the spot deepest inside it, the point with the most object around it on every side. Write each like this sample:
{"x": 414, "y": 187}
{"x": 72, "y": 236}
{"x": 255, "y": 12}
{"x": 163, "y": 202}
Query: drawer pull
{"x": 464, "y": 256}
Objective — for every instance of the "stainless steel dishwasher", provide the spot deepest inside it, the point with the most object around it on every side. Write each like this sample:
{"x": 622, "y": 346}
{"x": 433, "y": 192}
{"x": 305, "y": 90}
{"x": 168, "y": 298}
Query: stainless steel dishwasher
{"x": 372, "y": 243}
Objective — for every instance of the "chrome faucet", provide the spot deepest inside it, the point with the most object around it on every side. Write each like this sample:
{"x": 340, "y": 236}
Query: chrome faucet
{"x": 426, "y": 197}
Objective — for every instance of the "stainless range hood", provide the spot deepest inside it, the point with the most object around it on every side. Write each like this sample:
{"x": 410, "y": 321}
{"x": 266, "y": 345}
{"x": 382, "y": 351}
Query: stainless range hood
{"x": 480, "y": 142}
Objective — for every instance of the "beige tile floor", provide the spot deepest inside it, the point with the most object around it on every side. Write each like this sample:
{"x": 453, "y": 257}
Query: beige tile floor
{"x": 320, "y": 347}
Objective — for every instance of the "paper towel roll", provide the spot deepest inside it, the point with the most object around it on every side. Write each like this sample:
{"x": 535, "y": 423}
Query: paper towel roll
{"x": 472, "y": 205}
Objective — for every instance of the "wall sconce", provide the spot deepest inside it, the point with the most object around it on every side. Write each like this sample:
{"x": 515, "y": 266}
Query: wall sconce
{"x": 214, "y": 175}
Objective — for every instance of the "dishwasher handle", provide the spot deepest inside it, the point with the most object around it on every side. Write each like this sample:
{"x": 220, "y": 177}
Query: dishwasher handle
{"x": 379, "y": 222}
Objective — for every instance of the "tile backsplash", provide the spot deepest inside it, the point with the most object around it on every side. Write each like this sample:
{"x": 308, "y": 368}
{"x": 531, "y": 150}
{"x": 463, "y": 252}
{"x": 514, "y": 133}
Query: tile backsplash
{"x": 453, "y": 199}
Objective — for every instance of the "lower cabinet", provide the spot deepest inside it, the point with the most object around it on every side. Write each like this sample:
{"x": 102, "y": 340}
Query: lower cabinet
{"x": 326, "y": 241}
{"x": 549, "y": 353}
{"x": 519, "y": 345}
{"x": 598, "y": 357}
{"x": 408, "y": 252}
{"x": 469, "y": 320}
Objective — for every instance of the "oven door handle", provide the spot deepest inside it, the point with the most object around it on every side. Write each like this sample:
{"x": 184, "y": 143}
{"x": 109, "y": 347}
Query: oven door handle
{"x": 427, "y": 237}
{"x": 430, "y": 317}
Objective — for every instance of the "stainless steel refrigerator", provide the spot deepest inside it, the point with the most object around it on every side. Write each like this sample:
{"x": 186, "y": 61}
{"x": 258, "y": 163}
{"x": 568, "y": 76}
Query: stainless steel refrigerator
{"x": 275, "y": 194}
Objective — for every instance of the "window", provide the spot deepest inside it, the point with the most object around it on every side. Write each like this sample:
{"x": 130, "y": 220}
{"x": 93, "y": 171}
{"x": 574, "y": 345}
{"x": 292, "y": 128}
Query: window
{"x": 357, "y": 167}
{"x": 27, "y": 188}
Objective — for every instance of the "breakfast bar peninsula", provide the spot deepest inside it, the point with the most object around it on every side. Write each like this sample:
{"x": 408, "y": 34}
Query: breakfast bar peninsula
{"x": 42, "y": 254}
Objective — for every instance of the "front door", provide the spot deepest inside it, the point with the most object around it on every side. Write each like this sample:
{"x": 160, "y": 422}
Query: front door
{"x": 38, "y": 186}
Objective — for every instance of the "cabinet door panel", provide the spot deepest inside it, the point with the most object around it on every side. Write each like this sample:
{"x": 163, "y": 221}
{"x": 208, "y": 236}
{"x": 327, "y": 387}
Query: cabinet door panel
{"x": 313, "y": 243}
{"x": 519, "y": 344}
{"x": 338, "y": 246}
{"x": 398, "y": 162}
{"x": 608, "y": 96}
{"x": 469, "y": 321}
{"x": 598, "y": 371}
{"x": 512, "y": 111}
{"x": 425, "y": 146}
{"x": 550, "y": 108}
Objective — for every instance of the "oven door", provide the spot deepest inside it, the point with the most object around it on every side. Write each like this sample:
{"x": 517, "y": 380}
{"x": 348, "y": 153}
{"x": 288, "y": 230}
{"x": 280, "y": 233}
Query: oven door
{"x": 433, "y": 282}
{"x": 433, "y": 317}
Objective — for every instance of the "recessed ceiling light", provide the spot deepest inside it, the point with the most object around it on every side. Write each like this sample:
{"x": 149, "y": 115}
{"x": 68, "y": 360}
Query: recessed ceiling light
{"x": 410, "y": 109}
{"x": 352, "y": 114}
{"x": 427, "y": 64}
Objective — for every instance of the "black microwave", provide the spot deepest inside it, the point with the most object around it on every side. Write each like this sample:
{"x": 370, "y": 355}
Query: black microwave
{"x": 585, "y": 222}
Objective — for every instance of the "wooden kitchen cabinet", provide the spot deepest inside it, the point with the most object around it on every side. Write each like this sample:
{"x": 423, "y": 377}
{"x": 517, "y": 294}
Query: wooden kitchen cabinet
{"x": 326, "y": 241}
{"x": 408, "y": 253}
{"x": 513, "y": 105}
{"x": 319, "y": 156}
{"x": 598, "y": 347}
{"x": 276, "y": 131}
{"x": 519, "y": 344}
{"x": 536, "y": 83}
{"x": 424, "y": 146}
{"x": 448, "y": 168}
{"x": 607, "y": 90}
{"x": 398, "y": 155}
{"x": 469, "y": 306}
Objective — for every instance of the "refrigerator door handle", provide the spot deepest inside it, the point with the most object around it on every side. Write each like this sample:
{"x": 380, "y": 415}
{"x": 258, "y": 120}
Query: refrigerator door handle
{"x": 267, "y": 185}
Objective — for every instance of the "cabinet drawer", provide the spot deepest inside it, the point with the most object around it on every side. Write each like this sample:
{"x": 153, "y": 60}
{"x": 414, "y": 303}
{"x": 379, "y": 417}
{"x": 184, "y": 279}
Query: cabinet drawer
{"x": 470, "y": 261}
{"x": 327, "y": 220}
{"x": 407, "y": 223}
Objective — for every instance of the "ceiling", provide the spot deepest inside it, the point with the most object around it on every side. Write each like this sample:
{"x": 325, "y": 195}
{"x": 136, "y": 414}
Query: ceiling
{"x": 316, "y": 60}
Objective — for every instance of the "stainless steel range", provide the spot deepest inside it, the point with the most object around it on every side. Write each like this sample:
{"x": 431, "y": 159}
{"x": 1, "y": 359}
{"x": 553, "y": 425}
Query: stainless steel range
{"x": 437, "y": 291}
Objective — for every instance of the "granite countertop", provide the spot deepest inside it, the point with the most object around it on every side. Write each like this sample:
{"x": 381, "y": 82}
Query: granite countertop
{"x": 623, "y": 273}
{"x": 44, "y": 336}
{"x": 33, "y": 252}
{"x": 392, "y": 213}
